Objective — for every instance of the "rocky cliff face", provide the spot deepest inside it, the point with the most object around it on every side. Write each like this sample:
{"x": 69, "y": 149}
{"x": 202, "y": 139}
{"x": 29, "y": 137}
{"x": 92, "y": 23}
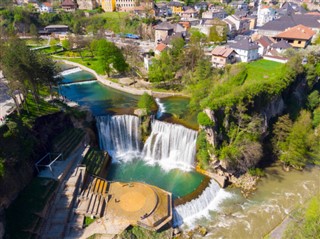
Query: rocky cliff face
{"x": 211, "y": 134}
{"x": 19, "y": 174}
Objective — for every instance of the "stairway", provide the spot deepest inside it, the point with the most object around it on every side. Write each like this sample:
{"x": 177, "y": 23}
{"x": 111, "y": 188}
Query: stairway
{"x": 62, "y": 210}
{"x": 93, "y": 198}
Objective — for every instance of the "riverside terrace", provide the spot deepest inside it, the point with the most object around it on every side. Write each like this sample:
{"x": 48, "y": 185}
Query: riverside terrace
{"x": 115, "y": 205}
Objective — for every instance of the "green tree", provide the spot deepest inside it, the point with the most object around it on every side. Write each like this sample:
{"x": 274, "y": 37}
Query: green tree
{"x": 162, "y": 69}
{"x": 204, "y": 120}
{"x": 33, "y": 30}
{"x": 53, "y": 44}
{"x": 296, "y": 149}
{"x": 147, "y": 102}
{"x": 306, "y": 222}
{"x": 313, "y": 99}
{"x": 109, "y": 55}
{"x": 218, "y": 32}
{"x": 66, "y": 44}
{"x": 316, "y": 117}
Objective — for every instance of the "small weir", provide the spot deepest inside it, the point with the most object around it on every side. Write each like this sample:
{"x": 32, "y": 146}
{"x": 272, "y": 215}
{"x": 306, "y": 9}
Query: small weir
{"x": 70, "y": 71}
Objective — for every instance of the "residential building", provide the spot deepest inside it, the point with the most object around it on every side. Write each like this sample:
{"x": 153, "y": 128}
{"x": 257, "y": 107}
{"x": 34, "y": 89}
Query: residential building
{"x": 160, "y": 48}
{"x": 69, "y": 5}
{"x": 299, "y": 36}
{"x": 220, "y": 14}
{"x": 277, "y": 26}
{"x": 176, "y": 7}
{"x": 125, "y": 5}
{"x": 201, "y": 6}
{"x": 108, "y": 5}
{"x": 246, "y": 49}
{"x": 189, "y": 13}
{"x": 280, "y": 46}
{"x": 163, "y": 30}
{"x": 264, "y": 43}
{"x": 87, "y": 4}
{"x": 46, "y": 7}
{"x": 237, "y": 25}
{"x": 222, "y": 55}
{"x": 265, "y": 14}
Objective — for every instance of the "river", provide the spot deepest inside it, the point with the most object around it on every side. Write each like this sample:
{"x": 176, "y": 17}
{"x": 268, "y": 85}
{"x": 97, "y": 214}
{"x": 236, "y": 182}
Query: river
{"x": 232, "y": 216}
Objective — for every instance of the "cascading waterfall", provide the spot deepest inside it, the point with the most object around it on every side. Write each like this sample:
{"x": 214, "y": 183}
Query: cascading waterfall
{"x": 161, "y": 108}
{"x": 209, "y": 200}
{"x": 170, "y": 145}
{"x": 119, "y": 135}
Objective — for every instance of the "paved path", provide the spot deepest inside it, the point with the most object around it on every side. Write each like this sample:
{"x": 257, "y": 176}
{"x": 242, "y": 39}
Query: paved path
{"x": 128, "y": 89}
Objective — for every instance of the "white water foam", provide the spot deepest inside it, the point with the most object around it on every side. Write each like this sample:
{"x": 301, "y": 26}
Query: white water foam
{"x": 119, "y": 135}
{"x": 161, "y": 108}
{"x": 79, "y": 83}
{"x": 200, "y": 207}
{"x": 171, "y": 146}
{"x": 70, "y": 71}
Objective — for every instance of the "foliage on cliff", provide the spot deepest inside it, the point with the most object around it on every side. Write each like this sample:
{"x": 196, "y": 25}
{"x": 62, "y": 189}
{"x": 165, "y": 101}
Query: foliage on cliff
{"x": 203, "y": 150}
{"x": 237, "y": 99}
{"x": 306, "y": 221}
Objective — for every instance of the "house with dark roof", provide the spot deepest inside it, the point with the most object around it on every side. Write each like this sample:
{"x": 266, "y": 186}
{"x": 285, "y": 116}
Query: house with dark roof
{"x": 163, "y": 30}
{"x": 222, "y": 55}
{"x": 201, "y": 6}
{"x": 246, "y": 49}
{"x": 280, "y": 46}
{"x": 167, "y": 29}
{"x": 277, "y": 26}
{"x": 218, "y": 13}
{"x": 264, "y": 43}
{"x": 299, "y": 36}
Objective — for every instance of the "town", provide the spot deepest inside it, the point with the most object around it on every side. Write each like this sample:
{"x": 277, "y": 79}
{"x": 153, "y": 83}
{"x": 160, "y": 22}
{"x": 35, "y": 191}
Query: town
{"x": 159, "y": 119}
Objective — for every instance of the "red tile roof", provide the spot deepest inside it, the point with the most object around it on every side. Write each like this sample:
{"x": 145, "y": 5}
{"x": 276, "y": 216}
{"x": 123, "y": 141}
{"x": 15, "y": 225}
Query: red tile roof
{"x": 47, "y": 4}
{"x": 161, "y": 47}
{"x": 298, "y": 32}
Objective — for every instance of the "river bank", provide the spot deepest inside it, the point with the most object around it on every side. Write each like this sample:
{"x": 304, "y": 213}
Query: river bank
{"x": 127, "y": 89}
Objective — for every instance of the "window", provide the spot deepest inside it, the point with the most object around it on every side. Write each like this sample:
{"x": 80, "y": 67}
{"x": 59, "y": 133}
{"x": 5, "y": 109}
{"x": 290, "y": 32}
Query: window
{"x": 299, "y": 42}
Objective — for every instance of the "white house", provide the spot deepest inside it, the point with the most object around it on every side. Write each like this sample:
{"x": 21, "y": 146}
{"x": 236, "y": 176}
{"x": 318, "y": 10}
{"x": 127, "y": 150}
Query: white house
{"x": 46, "y": 7}
{"x": 246, "y": 49}
{"x": 265, "y": 14}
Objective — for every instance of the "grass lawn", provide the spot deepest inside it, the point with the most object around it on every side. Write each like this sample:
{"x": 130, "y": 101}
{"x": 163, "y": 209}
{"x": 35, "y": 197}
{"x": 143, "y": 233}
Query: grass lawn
{"x": 36, "y": 110}
{"x": 259, "y": 76}
{"x": 92, "y": 63}
{"x": 263, "y": 70}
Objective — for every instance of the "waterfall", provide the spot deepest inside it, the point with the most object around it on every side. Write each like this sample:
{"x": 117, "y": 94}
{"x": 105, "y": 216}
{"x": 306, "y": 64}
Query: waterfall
{"x": 209, "y": 200}
{"x": 161, "y": 108}
{"x": 171, "y": 145}
{"x": 119, "y": 135}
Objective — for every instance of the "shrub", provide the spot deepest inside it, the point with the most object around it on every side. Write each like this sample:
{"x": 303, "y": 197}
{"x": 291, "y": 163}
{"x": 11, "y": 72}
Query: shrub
{"x": 147, "y": 102}
{"x": 204, "y": 120}
{"x": 256, "y": 172}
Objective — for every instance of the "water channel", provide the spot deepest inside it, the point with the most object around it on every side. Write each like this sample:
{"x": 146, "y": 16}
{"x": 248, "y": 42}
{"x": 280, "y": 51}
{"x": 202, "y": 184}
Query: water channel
{"x": 225, "y": 212}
